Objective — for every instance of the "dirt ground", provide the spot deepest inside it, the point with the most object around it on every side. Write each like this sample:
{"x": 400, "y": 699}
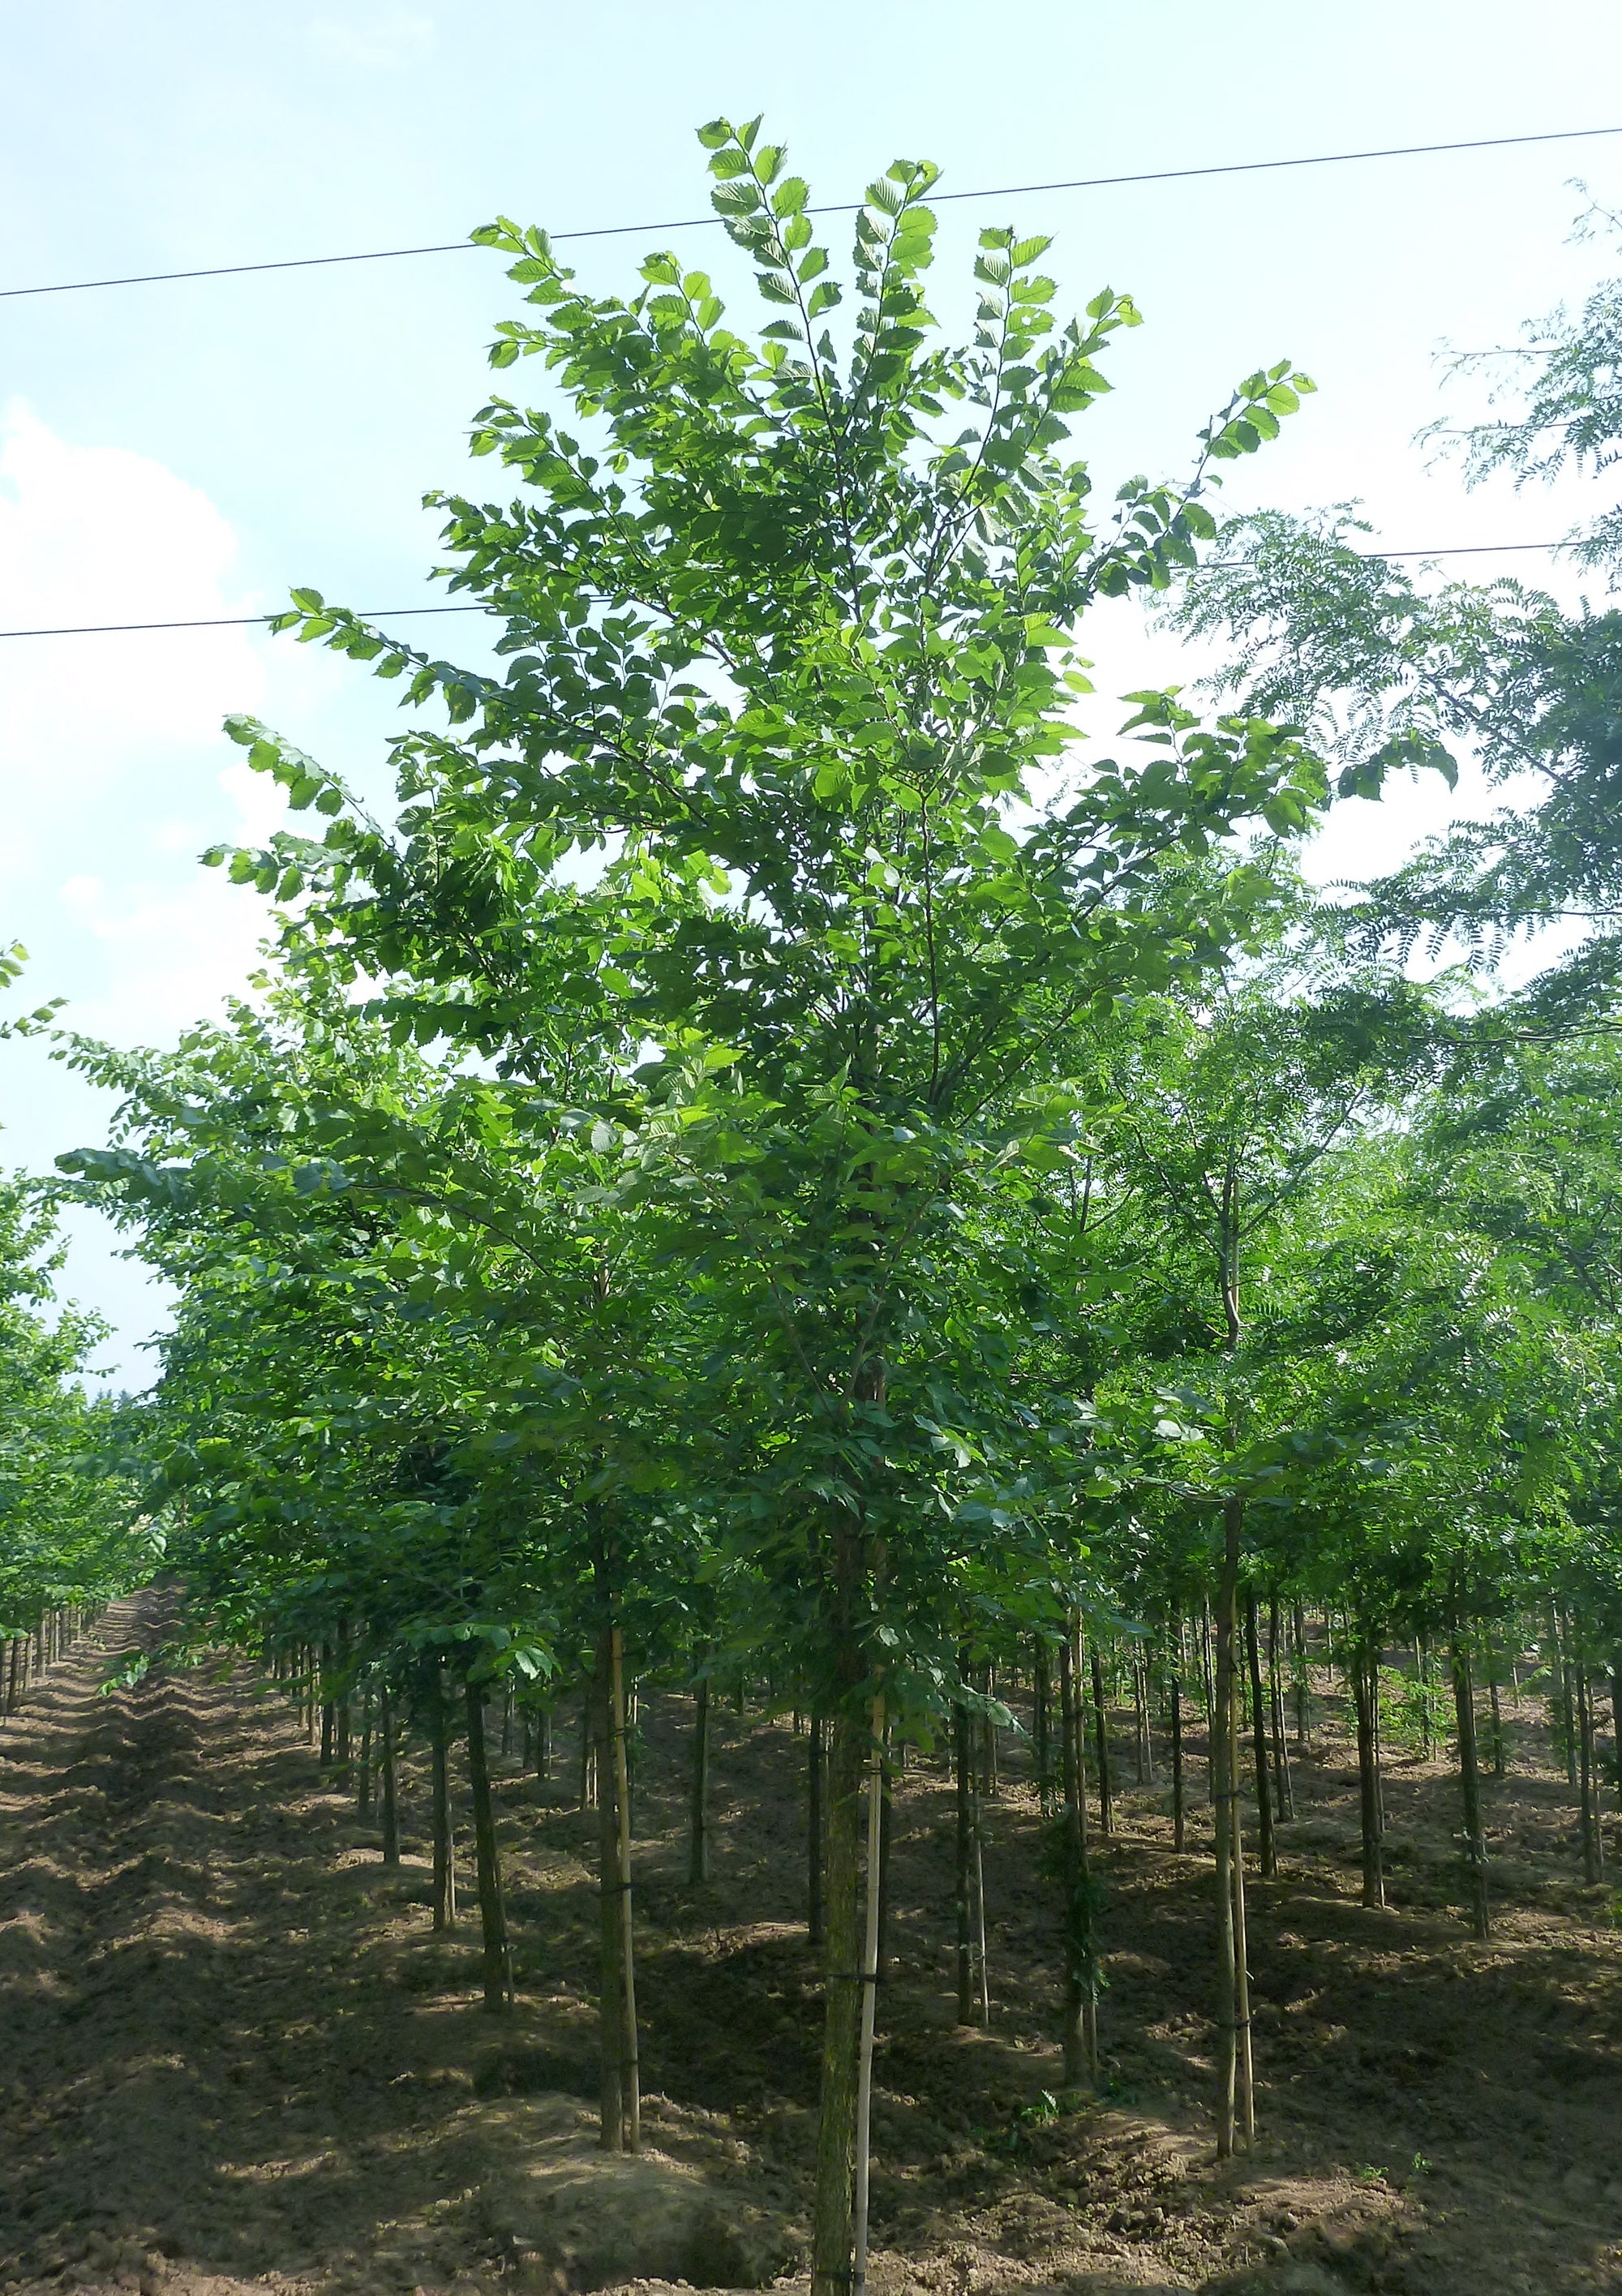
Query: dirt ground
{"x": 233, "y": 2056}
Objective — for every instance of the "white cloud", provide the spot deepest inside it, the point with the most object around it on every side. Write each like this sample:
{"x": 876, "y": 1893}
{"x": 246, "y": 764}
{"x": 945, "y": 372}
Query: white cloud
{"x": 113, "y": 770}
{"x": 387, "y": 39}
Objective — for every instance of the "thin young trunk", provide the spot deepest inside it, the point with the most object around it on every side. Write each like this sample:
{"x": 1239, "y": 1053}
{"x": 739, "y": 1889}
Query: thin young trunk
{"x": 1080, "y": 2032}
{"x": 610, "y": 1964}
{"x": 870, "y": 1994}
{"x": 988, "y": 1779}
{"x": 1616, "y": 1721}
{"x": 1179, "y": 1824}
{"x": 1302, "y": 1691}
{"x": 1224, "y": 1810}
{"x": 1470, "y": 1787}
{"x": 1564, "y": 1703}
{"x": 1284, "y": 1790}
{"x": 1042, "y": 1725}
{"x": 816, "y": 1767}
{"x": 1241, "y": 1956}
{"x": 444, "y": 1846}
{"x": 391, "y": 1814}
{"x": 492, "y": 1910}
{"x": 842, "y": 2021}
{"x": 980, "y": 1909}
{"x": 697, "y": 1853}
{"x": 630, "y": 2074}
{"x": 363, "y": 1782}
{"x": 1106, "y": 1815}
{"x": 1497, "y": 1715}
{"x": 1365, "y": 1694}
{"x": 1258, "y": 1739}
{"x": 589, "y": 1751}
{"x": 1593, "y": 1847}
{"x": 965, "y": 1859}
{"x": 886, "y": 1837}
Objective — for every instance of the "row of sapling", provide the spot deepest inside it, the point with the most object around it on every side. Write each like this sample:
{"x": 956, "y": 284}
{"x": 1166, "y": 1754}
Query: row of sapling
{"x": 775, "y": 1150}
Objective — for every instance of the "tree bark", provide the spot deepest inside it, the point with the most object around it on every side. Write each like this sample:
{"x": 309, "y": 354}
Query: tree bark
{"x": 816, "y": 1771}
{"x": 1470, "y": 1788}
{"x": 363, "y": 1782}
{"x": 843, "y": 2019}
{"x": 1284, "y": 1803}
{"x": 963, "y": 1863}
{"x": 1080, "y": 2031}
{"x": 611, "y": 2013}
{"x": 870, "y": 1995}
{"x": 620, "y": 2106}
{"x": 492, "y": 1910}
{"x": 1106, "y": 1811}
{"x": 630, "y": 2072}
{"x": 1224, "y": 1812}
{"x": 1042, "y": 1743}
{"x": 391, "y": 1814}
{"x": 444, "y": 1845}
{"x": 1302, "y": 1689}
{"x": 1593, "y": 1847}
{"x": 1365, "y": 1693}
{"x": 698, "y": 1854}
{"x": 1258, "y": 1739}
{"x": 1179, "y": 1824}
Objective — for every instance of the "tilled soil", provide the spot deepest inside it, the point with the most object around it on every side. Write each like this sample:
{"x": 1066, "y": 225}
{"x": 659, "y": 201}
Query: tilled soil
{"x": 232, "y": 2055}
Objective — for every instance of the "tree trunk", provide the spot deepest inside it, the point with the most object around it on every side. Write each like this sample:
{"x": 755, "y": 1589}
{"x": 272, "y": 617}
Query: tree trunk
{"x": 1042, "y": 1725}
{"x": 1470, "y": 1788}
{"x": 1258, "y": 1739}
{"x": 816, "y": 1771}
{"x": 988, "y": 1781}
{"x": 1497, "y": 1715}
{"x": 444, "y": 1845}
{"x": 964, "y": 1860}
{"x": 979, "y": 1905}
{"x": 630, "y": 2072}
{"x": 391, "y": 1814}
{"x": 1145, "y": 1730}
{"x": 1365, "y": 1693}
{"x": 1179, "y": 1828}
{"x": 1302, "y": 1688}
{"x": 887, "y": 1835}
{"x": 1224, "y": 1809}
{"x": 697, "y": 1853}
{"x": 1564, "y": 1703}
{"x": 589, "y": 1751}
{"x": 1080, "y": 2032}
{"x": 1106, "y": 1815}
{"x": 831, "y": 2274}
{"x": 870, "y": 1995}
{"x": 610, "y": 2012}
{"x": 1284, "y": 1805}
{"x": 363, "y": 1783}
{"x": 620, "y": 2113}
{"x": 492, "y": 1910}
{"x": 1593, "y": 1847}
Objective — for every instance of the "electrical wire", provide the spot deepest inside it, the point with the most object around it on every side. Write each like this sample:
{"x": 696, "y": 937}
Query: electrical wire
{"x": 845, "y": 207}
{"x": 399, "y": 613}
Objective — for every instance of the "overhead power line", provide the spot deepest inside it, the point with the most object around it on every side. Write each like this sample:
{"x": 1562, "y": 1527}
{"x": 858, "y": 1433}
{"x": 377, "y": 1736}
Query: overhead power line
{"x": 843, "y": 207}
{"x": 399, "y": 613}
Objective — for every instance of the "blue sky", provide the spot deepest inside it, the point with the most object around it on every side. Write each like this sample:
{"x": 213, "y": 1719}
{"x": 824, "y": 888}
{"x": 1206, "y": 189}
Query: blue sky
{"x": 194, "y": 448}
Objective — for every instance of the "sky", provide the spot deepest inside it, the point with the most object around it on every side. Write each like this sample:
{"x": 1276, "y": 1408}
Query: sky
{"x": 194, "y": 448}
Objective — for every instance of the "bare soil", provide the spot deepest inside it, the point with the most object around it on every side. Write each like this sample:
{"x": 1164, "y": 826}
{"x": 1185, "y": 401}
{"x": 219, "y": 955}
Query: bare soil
{"x": 234, "y": 2057}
